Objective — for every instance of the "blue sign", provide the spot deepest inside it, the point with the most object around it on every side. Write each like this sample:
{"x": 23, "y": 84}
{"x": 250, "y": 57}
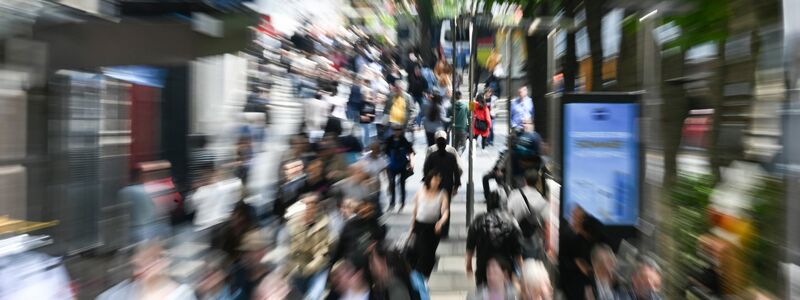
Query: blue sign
{"x": 601, "y": 161}
{"x": 144, "y": 75}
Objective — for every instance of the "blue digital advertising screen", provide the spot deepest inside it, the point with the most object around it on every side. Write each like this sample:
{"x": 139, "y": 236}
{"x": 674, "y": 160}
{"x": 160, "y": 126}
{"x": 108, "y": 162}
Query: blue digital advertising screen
{"x": 601, "y": 161}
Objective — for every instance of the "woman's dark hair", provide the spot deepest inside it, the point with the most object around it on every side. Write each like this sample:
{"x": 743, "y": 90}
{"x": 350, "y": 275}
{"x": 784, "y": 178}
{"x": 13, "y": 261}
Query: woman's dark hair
{"x": 247, "y": 212}
{"x": 433, "y": 109}
{"x": 428, "y": 177}
{"x": 481, "y": 101}
{"x": 493, "y": 202}
{"x": 397, "y": 264}
{"x": 593, "y": 228}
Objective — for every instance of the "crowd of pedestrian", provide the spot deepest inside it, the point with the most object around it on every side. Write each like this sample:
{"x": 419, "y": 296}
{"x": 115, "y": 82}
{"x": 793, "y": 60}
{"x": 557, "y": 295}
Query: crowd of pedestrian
{"x": 322, "y": 236}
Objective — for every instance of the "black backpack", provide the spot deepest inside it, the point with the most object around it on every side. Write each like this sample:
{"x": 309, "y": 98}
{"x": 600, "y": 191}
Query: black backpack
{"x": 532, "y": 222}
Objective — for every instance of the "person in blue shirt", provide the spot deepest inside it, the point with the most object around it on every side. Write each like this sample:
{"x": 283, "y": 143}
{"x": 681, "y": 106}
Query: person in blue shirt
{"x": 521, "y": 110}
{"x": 430, "y": 78}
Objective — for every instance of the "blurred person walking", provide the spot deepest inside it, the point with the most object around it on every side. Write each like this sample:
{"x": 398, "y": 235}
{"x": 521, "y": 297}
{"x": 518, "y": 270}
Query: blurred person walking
{"x": 144, "y": 224}
{"x": 215, "y": 282}
{"x": 482, "y": 121}
{"x": 249, "y": 270}
{"x": 531, "y": 211}
{"x": 431, "y": 210}
{"x": 499, "y": 282}
{"x": 399, "y": 108}
{"x": 417, "y": 87}
{"x": 317, "y": 112}
{"x": 434, "y": 118}
{"x": 646, "y": 280}
{"x": 401, "y": 156}
{"x": 358, "y": 185}
{"x": 521, "y": 109}
{"x": 491, "y": 101}
{"x": 374, "y": 164}
{"x": 351, "y": 280}
{"x": 149, "y": 279}
{"x": 361, "y": 232}
{"x": 229, "y": 236}
{"x": 355, "y": 100}
{"x": 575, "y": 256}
{"x": 244, "y": 159}
{"x": 443, "y": 159}
{"x": 492, "y": 234}
{"x": 535, "y": 281}
{"x": 605, "y": 283}
{"x": 289, "y": 187}
{"x": 391, "y": 277}
{"x": 315, "y": 181}
{"x": 309, "y": 246}
{"x": 367, "y": 118}
{"x": 460, "y": 123}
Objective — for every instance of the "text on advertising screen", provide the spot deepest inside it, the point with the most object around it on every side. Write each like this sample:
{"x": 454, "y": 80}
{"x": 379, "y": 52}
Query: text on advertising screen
{"x": 601, "y": 161}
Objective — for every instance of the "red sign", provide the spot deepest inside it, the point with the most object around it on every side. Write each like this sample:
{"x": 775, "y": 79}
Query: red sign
{"x": 266, "y": 26}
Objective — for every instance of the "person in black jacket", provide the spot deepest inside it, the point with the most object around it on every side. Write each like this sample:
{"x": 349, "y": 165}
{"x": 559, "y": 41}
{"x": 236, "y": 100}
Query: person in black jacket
{"x": 492, "y": 234}
{"x": 417, "y": 85}
{"x": 446, "y": 164}
{"x": 360, "y": 234}
{"x": 355, "y": 101}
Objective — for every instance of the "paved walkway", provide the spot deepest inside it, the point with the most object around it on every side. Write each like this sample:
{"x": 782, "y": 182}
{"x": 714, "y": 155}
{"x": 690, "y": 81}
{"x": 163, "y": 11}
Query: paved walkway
{"x": 449, "y": 280}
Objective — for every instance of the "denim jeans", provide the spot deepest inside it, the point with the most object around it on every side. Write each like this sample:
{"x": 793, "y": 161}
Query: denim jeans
{"x": 366, "y": 134}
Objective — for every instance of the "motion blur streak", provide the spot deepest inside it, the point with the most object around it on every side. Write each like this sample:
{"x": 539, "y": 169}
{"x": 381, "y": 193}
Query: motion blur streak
{"x": 263, "y": 149}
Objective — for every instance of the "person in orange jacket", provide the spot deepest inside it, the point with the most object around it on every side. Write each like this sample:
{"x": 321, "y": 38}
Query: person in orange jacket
{"x": 481, "y": 120}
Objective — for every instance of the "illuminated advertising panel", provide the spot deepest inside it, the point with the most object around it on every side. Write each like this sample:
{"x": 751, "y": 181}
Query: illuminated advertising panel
{"x": 601, "y": 161}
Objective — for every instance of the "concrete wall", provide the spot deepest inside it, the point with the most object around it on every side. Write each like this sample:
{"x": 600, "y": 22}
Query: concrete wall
{"x": 132, "y": 42}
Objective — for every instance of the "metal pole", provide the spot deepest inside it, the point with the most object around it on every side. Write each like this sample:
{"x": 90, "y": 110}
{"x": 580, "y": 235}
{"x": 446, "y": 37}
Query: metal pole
{"x": 790, "y": 119}
{"x": 510, "y": 57}
{"x": 470, "y": 184}
{"x": 454, "y": 35}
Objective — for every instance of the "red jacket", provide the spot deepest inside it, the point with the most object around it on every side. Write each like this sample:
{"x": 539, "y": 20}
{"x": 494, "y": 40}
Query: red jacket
{"x": 481, "y": 113}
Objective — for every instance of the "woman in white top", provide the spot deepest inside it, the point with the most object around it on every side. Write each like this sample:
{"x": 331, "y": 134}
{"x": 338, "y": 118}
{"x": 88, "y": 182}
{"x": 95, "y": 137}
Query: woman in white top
{"x": 431, "y": 210}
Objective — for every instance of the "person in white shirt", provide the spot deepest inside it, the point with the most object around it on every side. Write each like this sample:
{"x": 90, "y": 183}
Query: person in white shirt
{"x": 317, "y": 111}
{"x": 338, "y": 104}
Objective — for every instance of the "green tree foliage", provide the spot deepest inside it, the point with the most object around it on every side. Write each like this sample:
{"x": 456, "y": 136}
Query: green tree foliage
{"x": 705, "y": 21}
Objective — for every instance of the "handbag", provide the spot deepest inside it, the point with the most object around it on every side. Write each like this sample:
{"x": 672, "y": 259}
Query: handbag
{"x": 481, "y": 125}
{"x": 409, "y": 171}
{"x": 406, "y": 246}
{"x": 531, "y": 223}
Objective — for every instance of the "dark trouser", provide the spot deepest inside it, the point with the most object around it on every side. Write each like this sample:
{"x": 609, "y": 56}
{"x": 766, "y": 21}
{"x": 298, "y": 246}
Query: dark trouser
{"x": 425, "y": 244}
{"x": 459, "y": 139}
{"x": 393, "y": 176}
{"x": 491, "y": 135}
{"x": 480, "y": 272}
{"x": 381, "y": 129}
{"x": 446, "y": 225}
{"x": 430, "y": 137}
{"x": 484, "y": 141}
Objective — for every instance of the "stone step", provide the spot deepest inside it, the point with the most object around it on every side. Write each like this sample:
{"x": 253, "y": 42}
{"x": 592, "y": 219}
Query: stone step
{"x": 452, "y": 264}
{"x": 454, "y": 295}
{"x": 450, "y": 282}
{"x": 452, "y": 247}
{"x": 396, "y": 232}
